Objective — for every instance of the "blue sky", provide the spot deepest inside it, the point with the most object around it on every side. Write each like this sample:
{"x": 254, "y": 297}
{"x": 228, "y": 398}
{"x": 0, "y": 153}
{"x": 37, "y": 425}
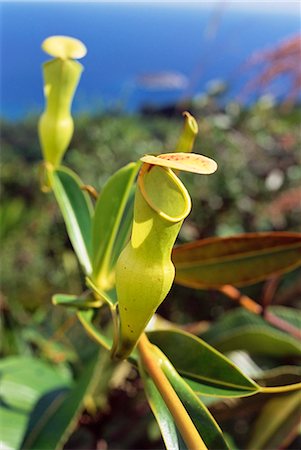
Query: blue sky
{"x": 250, "y": 4}
{"x": 131, "y": 50}
{"x": 290, "y": 6}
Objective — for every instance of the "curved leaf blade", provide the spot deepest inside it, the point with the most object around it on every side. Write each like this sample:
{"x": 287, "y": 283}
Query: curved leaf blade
{"x": 161, "y": 412}
{"x": 24, "y": 381}
{"x": 76, "y": 208}
{"x": 260, "y": 341}
{"x": 111, "y": 225}
{"x": 201, "y": 417}
{"x": 241, "y": 330}
{"x": 209, "y": 371}
{"x": 239, "y": 260}
{"x": 13, "y": 426}
{"x": 75, "y": 301}
{"x": 125, "y": 227}
{"x": 53, "y": 430}
{"x": 280, "y": 376}
{"x": 211, "y": 390}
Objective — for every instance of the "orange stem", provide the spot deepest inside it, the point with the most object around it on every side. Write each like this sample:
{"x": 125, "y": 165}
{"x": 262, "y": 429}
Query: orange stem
{"x": 243, "y": 300}
{"x": 182, "y": 419}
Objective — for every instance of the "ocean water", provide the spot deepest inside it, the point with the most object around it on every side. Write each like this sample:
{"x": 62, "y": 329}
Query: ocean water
{"x": 126, "y": 41}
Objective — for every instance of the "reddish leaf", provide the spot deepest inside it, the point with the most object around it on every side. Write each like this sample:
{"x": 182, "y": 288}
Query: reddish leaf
{"x": 239, "y": 260}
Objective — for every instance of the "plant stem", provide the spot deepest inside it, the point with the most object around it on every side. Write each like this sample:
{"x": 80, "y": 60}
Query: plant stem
{"x": 60, "y": 332}
{"x": 282, "y": 324}
{"x": 115, "y": 331}
{"x": 91, "y": 330}
{"x": 91, "y": 190}
{"x": 243, "y": 300}
{"x": 269, "y": 290}
{"x": 182, "y": 419}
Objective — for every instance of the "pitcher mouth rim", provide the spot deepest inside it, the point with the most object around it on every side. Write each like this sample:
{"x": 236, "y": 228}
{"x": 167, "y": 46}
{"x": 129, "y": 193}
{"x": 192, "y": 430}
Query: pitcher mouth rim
{"x": 174, "y": 219}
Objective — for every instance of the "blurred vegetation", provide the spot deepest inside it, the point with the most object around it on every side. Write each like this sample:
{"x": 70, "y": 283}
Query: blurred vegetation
{"x": 256, "y": 188}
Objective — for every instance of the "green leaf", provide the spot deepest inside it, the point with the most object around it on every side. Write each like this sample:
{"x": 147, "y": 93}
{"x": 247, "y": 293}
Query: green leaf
{"x": 280, "y": 376}
{"x": 161, "y": 412}
{"x": 278, "y": 419}
{"x": 76, "y": 208}
{"x": 205, "y": 369}
{"x": 13, "y": 426}
{"x": 74, "y": 301}
{"x": 23, "y": 382}
{"x": 51, "y": 428}
{"x": 111, "y": 223}
{"x": 260, "y": 341}
{"x": 241, "y": 330}
{"x": 124, "y": 230}
{"x": 201, "y": 417}
{"x": 238, "y": 260}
